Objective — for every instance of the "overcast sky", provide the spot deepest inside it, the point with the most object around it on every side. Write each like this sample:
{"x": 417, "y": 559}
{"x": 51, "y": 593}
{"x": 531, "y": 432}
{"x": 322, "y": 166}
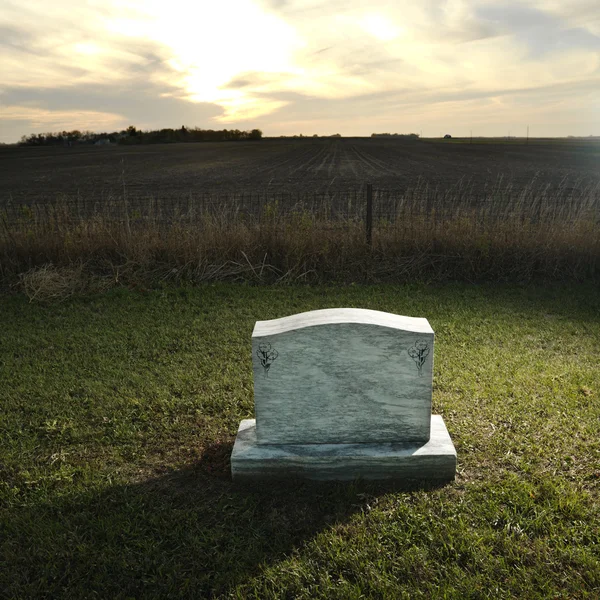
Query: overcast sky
{"x": 301, "y": 66}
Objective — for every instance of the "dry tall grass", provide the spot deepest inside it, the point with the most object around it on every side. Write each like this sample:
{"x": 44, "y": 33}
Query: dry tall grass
{"x": 56, "y": 249}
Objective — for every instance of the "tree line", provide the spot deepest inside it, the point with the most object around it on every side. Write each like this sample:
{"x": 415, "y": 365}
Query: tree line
{"x": 410, "y": 136}
{"x": 132, "y": 135}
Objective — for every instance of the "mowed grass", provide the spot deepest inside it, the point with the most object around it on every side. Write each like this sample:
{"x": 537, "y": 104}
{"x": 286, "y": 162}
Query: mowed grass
{"x": 118, "y": 415}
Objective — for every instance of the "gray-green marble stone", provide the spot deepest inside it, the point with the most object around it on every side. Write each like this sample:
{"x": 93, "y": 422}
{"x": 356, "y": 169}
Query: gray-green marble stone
{"x": 434, "y": 461}
{"x": 342, "y": 394}
{"x": 342, "y": 376}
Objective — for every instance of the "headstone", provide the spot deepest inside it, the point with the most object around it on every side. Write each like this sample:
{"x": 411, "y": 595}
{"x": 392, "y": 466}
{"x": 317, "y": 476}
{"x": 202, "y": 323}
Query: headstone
{"x": 343, "y": 394}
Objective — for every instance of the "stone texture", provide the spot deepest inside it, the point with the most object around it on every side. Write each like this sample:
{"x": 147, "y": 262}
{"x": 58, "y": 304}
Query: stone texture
{"x": 343, "y": 394}
{"x": 434, "y": 461}
{"x": 342, "y": 376}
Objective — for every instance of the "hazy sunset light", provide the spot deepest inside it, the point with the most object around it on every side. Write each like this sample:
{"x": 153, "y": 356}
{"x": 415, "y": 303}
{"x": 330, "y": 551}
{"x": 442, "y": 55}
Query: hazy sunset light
{"x": 302, "y": 66}
{"x": 380, "y": 27}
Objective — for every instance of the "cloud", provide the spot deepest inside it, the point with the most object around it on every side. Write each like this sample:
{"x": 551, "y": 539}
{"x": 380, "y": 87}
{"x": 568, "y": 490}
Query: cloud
{"x": 540, "y": 32}
{"x": 275, "y": 62}
{"x": 54, "y": 120}
{"x": 568, "y": 108}
{"x": 136, "y": 102}
{"x": 68, "y": 45}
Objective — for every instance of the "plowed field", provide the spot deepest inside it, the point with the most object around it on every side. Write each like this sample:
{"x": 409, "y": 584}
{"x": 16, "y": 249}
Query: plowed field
{"x": 293, "y": 165}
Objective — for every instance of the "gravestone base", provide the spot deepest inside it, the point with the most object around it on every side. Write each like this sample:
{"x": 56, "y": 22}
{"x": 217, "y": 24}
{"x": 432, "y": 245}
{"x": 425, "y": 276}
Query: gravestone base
{"x": 433, "y": 461}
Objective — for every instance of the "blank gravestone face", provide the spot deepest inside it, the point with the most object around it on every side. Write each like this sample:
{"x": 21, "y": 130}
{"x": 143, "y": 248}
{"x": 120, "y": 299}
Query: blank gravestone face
{"x": 342, "y": 376}
{"x": 343, "y": 394}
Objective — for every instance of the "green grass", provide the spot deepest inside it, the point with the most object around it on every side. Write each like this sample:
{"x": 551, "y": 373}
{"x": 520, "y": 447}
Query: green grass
{"x": 118, "y": 413}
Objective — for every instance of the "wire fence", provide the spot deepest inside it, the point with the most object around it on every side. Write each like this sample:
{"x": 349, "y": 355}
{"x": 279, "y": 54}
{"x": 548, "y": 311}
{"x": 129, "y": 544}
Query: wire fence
{"x": 389, "y": 206}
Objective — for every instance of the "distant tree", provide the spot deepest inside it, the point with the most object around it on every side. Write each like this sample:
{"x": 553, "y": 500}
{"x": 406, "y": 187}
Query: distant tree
{"x": 132, "y": 135}
{"x": 398, "y": 135}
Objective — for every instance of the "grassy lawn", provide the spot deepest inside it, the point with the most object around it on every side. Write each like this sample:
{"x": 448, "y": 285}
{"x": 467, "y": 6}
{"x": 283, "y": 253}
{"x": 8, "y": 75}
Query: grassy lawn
{"x": 118, "y": 414}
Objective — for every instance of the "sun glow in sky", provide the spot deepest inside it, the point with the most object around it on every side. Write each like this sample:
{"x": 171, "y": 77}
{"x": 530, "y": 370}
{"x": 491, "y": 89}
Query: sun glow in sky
{"x": 302, "y": 66}
{"x": 380, "y": 27}
{"x": 208, "y": 44}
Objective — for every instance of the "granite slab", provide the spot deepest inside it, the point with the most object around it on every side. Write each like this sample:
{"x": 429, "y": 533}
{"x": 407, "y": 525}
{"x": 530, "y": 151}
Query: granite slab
{"x": 433, "y": 461}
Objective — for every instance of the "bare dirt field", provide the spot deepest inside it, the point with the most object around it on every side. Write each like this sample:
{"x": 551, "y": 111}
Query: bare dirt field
{"x": 295, "y": 166}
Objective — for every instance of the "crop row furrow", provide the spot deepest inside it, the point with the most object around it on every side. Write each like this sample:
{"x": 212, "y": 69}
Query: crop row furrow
{"x": 310, "y": 162}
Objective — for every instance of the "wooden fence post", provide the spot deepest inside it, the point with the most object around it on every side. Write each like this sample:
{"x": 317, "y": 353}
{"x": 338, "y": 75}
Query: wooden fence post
{"x": 369, "y": 220}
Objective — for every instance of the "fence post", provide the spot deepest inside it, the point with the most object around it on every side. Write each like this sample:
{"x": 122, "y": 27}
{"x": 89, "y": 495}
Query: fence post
{"x": 369, "y": 220}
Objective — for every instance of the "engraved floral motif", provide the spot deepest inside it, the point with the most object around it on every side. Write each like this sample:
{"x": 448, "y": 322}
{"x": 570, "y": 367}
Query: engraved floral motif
{"x": 419, "y": 351}
{"x": 266, "y": 355}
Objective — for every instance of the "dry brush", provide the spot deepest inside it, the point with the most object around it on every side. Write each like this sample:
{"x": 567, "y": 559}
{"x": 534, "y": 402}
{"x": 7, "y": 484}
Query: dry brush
{"x": 58, "y": 249}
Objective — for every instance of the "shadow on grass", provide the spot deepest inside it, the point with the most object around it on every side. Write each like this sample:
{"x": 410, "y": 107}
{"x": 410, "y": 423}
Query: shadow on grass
{"x": 190, "y": 532}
